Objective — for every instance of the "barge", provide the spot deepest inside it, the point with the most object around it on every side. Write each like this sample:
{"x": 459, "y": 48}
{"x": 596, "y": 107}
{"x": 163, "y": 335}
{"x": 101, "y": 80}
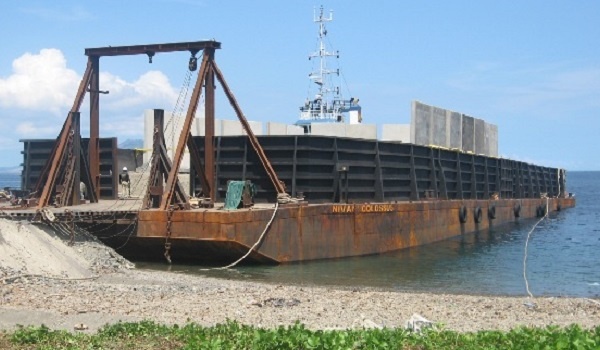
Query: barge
{"x": 278, "y": 198}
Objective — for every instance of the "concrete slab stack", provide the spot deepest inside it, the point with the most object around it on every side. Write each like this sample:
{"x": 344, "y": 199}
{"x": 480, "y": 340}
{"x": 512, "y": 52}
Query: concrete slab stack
{"x": 480, "y": 143}
{"x": 357, "y": 131}
{"x": 234, "y": 128}
{"x": 430, "y": 126}
{"x": 329, "y": 129}
{"x": 395, "y": 132}
{"x": 468, "y": 133}
{"x": 172, "y": 131}
{"x": 294, "y": 130}
{"x": 492, "y": 138}
{"x": 201, "y": 127}
{"x": 444, "y": 128}
{"x": 420, "y": 125}
{"x": 454, "y": 130}
{"x": 276, "y": 128}
{"x": 438, "y": 127}
{"x": 361, "y": 131}
{"x": 283, "y": 129}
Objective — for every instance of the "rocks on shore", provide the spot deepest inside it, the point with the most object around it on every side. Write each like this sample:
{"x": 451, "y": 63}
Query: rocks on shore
{"x": 90, "y": 284}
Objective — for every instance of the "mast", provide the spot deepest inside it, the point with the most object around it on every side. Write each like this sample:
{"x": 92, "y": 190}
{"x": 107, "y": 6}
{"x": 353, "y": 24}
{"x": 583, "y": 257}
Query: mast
{"x": 320, "y": 77}
{"x": 327, "y": 104}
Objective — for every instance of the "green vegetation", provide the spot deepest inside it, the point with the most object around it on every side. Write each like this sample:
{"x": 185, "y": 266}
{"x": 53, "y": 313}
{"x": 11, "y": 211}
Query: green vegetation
{"x": 232, "y": 335}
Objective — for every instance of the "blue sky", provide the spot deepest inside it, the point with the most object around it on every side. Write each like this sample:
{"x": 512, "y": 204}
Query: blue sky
{"x": 531, "y": 67}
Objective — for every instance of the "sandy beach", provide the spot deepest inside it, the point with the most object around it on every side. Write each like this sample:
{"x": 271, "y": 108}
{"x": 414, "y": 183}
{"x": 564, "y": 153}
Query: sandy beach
{"x": 43, "y": 280}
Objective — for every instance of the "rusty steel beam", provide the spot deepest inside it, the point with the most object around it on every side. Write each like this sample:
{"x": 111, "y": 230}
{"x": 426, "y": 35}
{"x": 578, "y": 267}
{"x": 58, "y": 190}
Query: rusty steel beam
{"x": 59, "y": 150}
{"x": 209, "y": 134}
{"x": 75, "y": 108}
{"x": 279, "y": 187}
{"x": 155, "y": 177}
{"x": 76, "y": 155}
{"x": 198, "y": 167}
{"x": 68, "y": 176}
{"x": 94, "y": 55}
{"x": 185, "y": 131}
{"x": 85, "y": 174}
{"x": 41, "y": 181}
{"x": 151, "y": 49}
{"x": 93, "y": 156}
{"x": 161, "y": 166}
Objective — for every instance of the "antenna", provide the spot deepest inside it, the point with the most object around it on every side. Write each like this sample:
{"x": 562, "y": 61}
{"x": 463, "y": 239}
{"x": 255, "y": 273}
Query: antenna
{"x": 319, "y": 76}
{"x": 326, "y": 105}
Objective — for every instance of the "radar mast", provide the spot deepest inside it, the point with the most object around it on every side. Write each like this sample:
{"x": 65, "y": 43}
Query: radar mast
{"x": 327, "y": 104}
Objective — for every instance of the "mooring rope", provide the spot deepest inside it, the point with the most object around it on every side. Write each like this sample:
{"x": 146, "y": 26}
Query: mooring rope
{"x": 526, "y": 246}
{"x": 260, "y": 238}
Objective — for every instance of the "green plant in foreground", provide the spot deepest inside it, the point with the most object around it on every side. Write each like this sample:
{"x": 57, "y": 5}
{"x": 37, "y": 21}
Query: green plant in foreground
{"x": 233, "y": 335}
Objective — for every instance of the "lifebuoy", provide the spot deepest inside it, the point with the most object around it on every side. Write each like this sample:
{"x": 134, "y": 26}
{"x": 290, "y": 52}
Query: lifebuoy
{"x": 517, "y": 210}
{"x": 492, "y": 212}
{"x": 462, "y": 214}
{"x": 477, "y": 214}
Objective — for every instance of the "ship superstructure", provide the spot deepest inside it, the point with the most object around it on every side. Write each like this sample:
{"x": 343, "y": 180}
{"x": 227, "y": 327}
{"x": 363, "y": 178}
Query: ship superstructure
{"x": 327, "y": 105}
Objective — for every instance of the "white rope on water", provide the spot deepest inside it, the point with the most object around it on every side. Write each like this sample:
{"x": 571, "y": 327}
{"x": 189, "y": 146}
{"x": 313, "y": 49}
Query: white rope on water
{"x": 526, "y": 246}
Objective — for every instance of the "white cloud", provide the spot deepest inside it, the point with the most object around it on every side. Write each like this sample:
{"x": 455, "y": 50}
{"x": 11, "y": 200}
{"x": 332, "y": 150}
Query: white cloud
{"x": 124, "y": 126}
{"x": 150, "y": 90}
{"x": 36, "y": 97}
{"x": 43, "y": 82}
{"x": 40, "y": 82}
{"x": 31, "y": 130}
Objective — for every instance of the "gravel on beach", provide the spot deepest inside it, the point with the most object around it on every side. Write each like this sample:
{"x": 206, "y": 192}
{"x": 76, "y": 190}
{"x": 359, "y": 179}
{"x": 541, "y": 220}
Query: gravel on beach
{"x": 43, "y": 280}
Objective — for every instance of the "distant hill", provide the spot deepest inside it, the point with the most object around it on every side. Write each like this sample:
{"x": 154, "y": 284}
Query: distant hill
{"x": 131, "y": 144}
{"x": 10, "y": 170}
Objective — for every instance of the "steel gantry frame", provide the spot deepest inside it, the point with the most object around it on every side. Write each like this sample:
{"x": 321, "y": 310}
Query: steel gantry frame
{"x": 206, "y": 76}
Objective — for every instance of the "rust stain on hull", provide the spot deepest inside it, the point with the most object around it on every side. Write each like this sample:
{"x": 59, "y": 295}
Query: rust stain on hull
{"x": 324, "y": 231}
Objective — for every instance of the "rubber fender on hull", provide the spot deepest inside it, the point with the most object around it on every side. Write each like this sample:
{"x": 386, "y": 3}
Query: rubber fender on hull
{"x": 558, "y": 206}
{"x": 477, "y": 214}
{"x": 540, "y": 211}
{"x": 462, "y": 214}
{"x": 517, "y": 210}
{"x": 492, "y": 212}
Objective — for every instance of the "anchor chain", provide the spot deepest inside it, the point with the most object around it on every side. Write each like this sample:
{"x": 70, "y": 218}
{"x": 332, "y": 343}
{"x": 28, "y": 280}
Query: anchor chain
{"x": 67, "y": 182}
{"x": 71, "y": 220}
{"x": 168, "y": 235}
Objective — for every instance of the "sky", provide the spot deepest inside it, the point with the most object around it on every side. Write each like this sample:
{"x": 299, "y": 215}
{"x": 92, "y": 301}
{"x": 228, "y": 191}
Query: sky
{"x": 530, "y": 67}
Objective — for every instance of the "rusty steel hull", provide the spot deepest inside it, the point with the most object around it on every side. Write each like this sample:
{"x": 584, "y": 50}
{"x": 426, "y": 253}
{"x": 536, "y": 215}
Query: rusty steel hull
{"x": 301, "y": 232}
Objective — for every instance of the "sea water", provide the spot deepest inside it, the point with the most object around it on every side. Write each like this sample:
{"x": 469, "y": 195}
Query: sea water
{"x": 562, "y": 257}
{"x": 10, "y": 180}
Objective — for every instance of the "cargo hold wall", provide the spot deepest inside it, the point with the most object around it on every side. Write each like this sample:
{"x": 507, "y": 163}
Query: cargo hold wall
{"x": 373, "y": 170}
{"x": 37, "y": 151}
